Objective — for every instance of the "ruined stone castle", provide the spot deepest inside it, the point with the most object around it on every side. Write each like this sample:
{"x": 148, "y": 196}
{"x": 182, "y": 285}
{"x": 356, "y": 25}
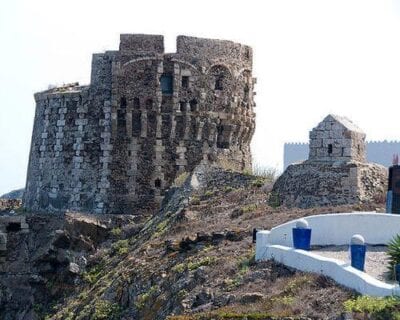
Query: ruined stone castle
{"x": 336, "y": 172}
{"x": 146, "y": 117}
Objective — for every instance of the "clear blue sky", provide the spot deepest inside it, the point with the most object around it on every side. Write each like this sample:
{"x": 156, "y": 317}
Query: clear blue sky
{"x": 311, "y": 58}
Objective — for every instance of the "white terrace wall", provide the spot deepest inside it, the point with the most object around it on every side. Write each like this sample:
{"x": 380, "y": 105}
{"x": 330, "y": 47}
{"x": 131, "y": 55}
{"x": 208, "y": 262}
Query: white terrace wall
{"x": 337, "y": 229}
{"x": 332, "y": 229}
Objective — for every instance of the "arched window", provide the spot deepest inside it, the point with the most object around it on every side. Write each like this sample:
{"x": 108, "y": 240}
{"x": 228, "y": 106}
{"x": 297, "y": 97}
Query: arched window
{"x": 157, "y": 183}
{"x": 219, "y": 82}
{"x": 220, "y": 77}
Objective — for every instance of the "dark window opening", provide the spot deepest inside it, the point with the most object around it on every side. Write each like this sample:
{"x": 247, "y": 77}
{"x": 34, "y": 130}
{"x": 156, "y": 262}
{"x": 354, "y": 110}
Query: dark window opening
{"x": 219, "y": 80}
{"x": 136, "y": 103}
{"x": 222, "y": 138}
{"x": 136, "y": 124}
{"x": 182, "y": 106}
{"x": 342, "y": 152}
{"x": 185, "y": 82}
{"x": 129, "y": 153}
{"x": 157, "y": 183}
{"x": 121, "y": 121}
{"x": 13, "y": 227}
{"x": 149, "y": 104}
{"x": 246, "y": 92}
{"x": 152, "y": 124}
{"x": 123, "y": 102}
{"x": 330, "y": 149}
{"x": 193, "y": 105}
{"x": 166, "y": 83}
{"x": 165, "y": 125}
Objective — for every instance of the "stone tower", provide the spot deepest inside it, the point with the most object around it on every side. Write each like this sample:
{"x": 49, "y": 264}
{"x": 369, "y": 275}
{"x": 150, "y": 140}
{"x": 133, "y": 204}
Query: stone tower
{"x": 147, "y": 116}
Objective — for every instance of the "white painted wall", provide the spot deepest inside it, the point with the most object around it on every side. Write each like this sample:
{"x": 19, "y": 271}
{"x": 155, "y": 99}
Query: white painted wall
{"x": 337, "y": 229}
{"x": 338, "y": 270}
{"x": 332, "y": 229}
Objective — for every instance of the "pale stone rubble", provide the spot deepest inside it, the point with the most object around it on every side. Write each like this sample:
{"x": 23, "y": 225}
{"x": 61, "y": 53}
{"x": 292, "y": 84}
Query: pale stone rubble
{"x": 336, "y": 172}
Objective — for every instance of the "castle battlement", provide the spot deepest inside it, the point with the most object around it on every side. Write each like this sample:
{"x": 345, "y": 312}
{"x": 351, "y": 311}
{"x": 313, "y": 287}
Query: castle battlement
{"x": 146, "y": 117}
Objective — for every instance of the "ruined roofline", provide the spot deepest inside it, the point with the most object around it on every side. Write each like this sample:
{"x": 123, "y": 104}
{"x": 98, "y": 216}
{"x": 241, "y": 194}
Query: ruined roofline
{"x": 147, "y": 43}
{"x": 69, "y": 89}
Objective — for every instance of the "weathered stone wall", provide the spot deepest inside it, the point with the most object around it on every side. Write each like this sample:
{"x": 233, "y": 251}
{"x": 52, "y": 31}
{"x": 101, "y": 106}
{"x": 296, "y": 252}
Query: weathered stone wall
{"x": 337, "y": 139}
{"x": 308, "y": 185}
{"x": 335, "y": 173}
{"x": 146, "y": 117}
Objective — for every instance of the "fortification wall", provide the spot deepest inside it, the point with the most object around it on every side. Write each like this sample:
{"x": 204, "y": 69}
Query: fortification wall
{"x": 379, "y": 152}
{"x": 145, "y": 118}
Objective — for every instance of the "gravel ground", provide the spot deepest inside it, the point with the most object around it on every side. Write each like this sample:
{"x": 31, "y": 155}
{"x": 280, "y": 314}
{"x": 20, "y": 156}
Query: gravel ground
{"x": 376, "y": 259}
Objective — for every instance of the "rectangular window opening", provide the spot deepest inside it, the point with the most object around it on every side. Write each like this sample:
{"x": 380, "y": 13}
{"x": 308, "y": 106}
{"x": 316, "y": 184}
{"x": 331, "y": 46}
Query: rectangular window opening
{"x": 166, "y": 82}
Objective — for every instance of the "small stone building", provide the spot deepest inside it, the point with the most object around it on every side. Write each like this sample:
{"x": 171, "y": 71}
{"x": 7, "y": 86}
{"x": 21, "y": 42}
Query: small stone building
{"x": 337, "y": 139}
{"x": 336, "y": 172}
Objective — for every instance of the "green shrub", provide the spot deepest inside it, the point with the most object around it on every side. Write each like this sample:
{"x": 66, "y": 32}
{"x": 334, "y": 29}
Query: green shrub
{"x": 249, "y": 208}
{"x": 258, "y": 183}
{"x": 208, "y": 194}
{"x": 383, "y": 308}
{"x": 106, "y": 310}
{"x": 93, "y": 274}
{"x": 120, "y": 247}
{"x": 393, "y": 252}
{"x": 195, "y": 201}
{"x": 144, "y": 297}
{"x": 193, "y": 265}
{"x": 274, "y": 200}
{"x": 269, "y": 174}
{"x": 116, "y": 232}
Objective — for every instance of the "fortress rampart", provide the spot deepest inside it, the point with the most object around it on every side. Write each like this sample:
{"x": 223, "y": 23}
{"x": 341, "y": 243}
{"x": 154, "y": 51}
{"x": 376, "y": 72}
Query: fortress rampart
{"x": 146, "y": 117}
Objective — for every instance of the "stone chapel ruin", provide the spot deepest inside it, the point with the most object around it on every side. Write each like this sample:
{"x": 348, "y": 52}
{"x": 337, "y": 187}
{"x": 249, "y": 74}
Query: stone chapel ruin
{"x": 336, "y": 171}
{"x": 146, "y": 117}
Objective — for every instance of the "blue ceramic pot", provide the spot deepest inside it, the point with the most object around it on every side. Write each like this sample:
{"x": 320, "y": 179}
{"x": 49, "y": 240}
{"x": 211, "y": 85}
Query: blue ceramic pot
{"x": 301, "y": 238}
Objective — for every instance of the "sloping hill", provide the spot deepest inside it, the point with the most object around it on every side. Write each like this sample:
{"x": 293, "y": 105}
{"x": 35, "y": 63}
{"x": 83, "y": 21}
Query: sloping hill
{"x": 196, "y": 258}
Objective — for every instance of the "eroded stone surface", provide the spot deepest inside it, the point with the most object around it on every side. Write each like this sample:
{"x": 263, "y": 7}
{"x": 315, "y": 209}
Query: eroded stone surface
{"x": 146, "y": 117}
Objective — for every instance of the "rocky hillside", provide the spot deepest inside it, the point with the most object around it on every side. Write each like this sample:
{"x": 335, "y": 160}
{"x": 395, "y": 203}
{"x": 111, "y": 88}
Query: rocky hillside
{"x": 194, "y": 259}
